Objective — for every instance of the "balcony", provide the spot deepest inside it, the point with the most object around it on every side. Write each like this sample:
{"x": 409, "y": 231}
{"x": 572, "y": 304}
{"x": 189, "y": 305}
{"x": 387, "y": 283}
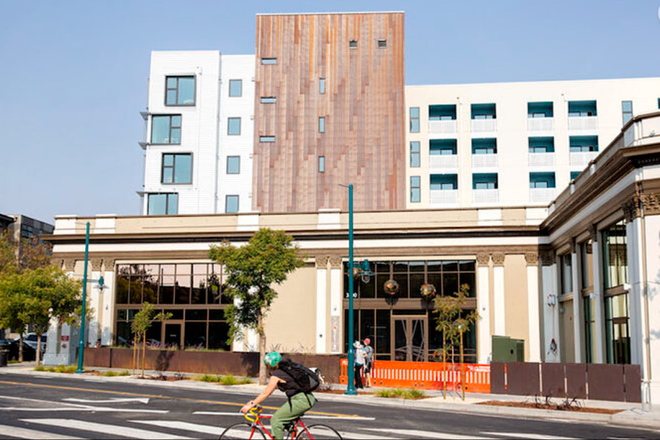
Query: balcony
{"x": 583, "y": 123}
{"x": 442, "y": 127}
{"x": 582, "y": 158}
{"x": 485, "y": 196}
{"x": 443, "y": 161}
{"x": 541, "y": 159}
{"x": 484, "y": 161}
{"x": 541, "y": 195}
{"x": 540, "y": 124}
{"x": 483, "y": 126}
{"x": 443, "y": 197}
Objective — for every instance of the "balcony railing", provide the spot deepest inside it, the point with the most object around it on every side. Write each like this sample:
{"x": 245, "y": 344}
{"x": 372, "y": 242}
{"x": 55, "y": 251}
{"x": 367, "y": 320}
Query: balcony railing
{"x": 442, "y": 127}
{"x": 583, "y": 123}
{"x": 484, "y": 125}
{"x": 443, "y": 161}
{"x": 541, "y": 195}
{"x": 540, "y": 124}
{"x": 541, "y": 159}
{"x": 443, "y": 196}
{"x": 485, "y": 196}
{"x": 582, "y": 158}
{"x": 484, "y": 161}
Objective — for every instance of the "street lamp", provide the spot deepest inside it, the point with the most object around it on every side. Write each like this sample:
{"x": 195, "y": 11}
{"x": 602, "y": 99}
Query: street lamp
{"x": 81, "y": 344}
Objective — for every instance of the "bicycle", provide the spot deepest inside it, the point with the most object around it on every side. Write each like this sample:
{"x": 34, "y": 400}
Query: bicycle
{"x": 294, "y": 431}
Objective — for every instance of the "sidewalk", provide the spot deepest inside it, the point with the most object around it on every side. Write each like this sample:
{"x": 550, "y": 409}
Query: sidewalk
{"x": 631, "y": 415}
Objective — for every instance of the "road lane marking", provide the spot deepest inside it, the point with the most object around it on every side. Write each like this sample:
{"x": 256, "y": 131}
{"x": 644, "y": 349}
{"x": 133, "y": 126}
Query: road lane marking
{"x": 193, "y": 427}
{"x": 118, "y": 400}
{"x": 412, "y": 433}
{"x": 357, "y": 436}
{"x": 57, "y": 406}
{"x": 307, "y": 416}
{"x": 18, "y": 432}
{"x": 529, "y": 436}
{"x": 105, "y": 429}
{"x": 157, "y": 396}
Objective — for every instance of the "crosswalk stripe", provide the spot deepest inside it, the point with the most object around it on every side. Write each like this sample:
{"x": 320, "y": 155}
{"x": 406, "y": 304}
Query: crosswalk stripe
{"x": 18, "y": 432}
{"x": 105, "y": 429}
{"x": 307, "y": 416}
{"x": 412, "y": 433}
{"x": 529, "y": 436}
{"x": 193, "y": 427}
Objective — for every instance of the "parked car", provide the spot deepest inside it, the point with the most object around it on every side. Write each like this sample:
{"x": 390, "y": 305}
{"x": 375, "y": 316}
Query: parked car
{"x": 31, "y": 340}
{"x": 11, "y": 347}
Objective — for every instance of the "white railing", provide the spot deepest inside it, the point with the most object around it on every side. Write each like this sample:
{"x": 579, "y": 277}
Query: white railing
{"x": 443, "y": 196}
{"x": 583, "y": 123}
{"x": 540, "y": 124}
{"x": 582, "y": 158}
{"x": 443, "y": 161}
{"x": 541, "y": 159}
{"x": 484, "y": 161}
{"x": 442, "y": 127}
{"x": 488, "y": 196}
{"x": 541, "y": 195}
{"x": 484, "y": 125}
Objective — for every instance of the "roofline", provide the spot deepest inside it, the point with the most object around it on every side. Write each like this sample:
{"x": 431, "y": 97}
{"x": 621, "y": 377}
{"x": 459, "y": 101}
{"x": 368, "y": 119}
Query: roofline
{"x": 331, "y": 13}
{"x": 553, "y": 81}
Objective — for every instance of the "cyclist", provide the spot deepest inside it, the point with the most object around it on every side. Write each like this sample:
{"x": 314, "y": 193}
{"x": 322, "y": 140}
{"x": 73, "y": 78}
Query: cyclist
{"x": 298, "y": 402}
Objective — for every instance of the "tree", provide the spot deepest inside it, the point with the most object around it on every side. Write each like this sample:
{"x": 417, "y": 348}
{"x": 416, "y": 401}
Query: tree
{"x": 11, "y": 304}
{"x": 252, "y": 271}
{"x": 28, "y": 253}
{"x": 141, "y": 324}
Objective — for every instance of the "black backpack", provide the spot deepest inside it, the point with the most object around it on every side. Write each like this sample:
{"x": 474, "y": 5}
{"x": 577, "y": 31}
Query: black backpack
{"x": 306, "y": 379}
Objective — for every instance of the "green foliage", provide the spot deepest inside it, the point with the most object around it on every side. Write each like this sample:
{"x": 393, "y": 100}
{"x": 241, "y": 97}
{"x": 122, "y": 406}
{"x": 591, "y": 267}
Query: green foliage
{"x": 451, "y": 319}
{"x": 28, "y": 253}
{"x": 67, "y": 369}
{"x": 39, "y": 368}
{"x": 399, "y": 393}
{"x": 224, "y": 380}
{"x": 142, "y": 319}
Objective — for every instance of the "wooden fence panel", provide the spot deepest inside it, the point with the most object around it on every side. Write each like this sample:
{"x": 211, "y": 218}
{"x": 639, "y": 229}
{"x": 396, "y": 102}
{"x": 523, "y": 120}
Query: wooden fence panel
{"x": 576, "y": 380}
{"x": 606, "y": 382}
{"x": 552, "y": 380}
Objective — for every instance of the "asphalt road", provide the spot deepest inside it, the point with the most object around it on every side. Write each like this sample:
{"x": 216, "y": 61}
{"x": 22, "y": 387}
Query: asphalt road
{"x": 61, "y": 407}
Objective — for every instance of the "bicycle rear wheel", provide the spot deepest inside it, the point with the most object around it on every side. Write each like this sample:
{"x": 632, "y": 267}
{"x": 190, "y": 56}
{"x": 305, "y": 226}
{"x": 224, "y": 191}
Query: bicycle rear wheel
{"x": 242, "y": 431}
{"x": 317, "y": 432}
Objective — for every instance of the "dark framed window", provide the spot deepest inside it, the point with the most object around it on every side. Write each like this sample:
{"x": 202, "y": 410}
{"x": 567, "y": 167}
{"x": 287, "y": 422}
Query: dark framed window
{"x": 566, "y": 273}
{"x": 353, "y": 44}
{"x": 235, "y": 88}
{"x": 382, "y": 44}
{"x": 626, "y": 111}
{"x": 582, "y": 144}
{"x": 484, "y": 181}
{"x": 415, "y": 189}
{"x": 269, "y": 61}
{"x": 574, "y": 174}
{"x": 233, "y": 164}
{"x": 231, "y": 204}
{"x": 483, "y": 111}
{"x": 179, "y": 90}
{"x": 233, "y": 126}
{"x": 615, "y": 255}
{"x": 443, "y": 147}
{"x": 541, "y": 144}
{"x": 484, "y": 146}
{"x": 617, "y": 328}
{"x": 166, "y": 129}
{"x": 414, "y": 119}
{"x": 582, "y": 109}
{"x": 177, "y": 168}
{"x": 444, "y": 182}
{"x": 322, "y": 86}
{"x": 415, "y": 161}
{"x": 540, "y": 109}
{"x": 542, "y": 180}
{"x": 321, "y": 124}
{"x": 162, "y": 204}
{"x": 321, "y": 164}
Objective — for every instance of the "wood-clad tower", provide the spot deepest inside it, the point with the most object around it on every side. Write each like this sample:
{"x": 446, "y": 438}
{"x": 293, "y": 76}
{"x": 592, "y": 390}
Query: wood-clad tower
{"x": 329, "y": 110}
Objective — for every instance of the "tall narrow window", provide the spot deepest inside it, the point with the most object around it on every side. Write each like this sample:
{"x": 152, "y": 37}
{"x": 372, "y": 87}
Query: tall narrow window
{"x": 233, "y": 126}
{"x": 180, "y": 90}
{"x": 414, "y": 154}
{"x": 177, "y": 168}
{"x": 627, "y": 111}
{"x": 321, "y": 164}
{"x": 231, "y": 204}
{"x": 162, "y": 204}
{"x": 166, "y": 129}
{"x": 322, "y": 124}
{"x": 415, "y": 189}
{"x": 382, "y": 44}
{"x": 353, "y": 44}
{"x": 322, "y": 86}
{"x": 414, "y": 119}
{"x": 235, "y": 88}
{"x": 233, "y": 164}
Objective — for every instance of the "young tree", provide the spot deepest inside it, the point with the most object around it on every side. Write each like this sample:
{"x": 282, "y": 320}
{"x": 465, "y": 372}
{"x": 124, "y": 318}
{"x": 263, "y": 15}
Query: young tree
{"x": 141, "y": 324}
{"x": 252, "y": 271}
{"x": 11, "y": 303}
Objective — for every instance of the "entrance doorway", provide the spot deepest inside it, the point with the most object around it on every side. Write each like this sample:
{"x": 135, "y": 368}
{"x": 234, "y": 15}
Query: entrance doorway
{"x": 173, "y": 336}
{"x": 409, "y": 338}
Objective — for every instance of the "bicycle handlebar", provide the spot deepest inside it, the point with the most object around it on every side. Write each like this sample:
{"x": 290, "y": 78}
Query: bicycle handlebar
{"x": 253, "y": 414}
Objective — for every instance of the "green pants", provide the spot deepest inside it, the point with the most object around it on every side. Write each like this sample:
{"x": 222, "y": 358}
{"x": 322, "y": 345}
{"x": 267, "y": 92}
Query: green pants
{"x": 290, "y": 411}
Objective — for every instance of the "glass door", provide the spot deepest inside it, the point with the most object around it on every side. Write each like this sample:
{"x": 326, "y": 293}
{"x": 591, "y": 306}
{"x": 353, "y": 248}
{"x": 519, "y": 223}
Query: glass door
{"x": 409, "y": 338}
{"x": 173, "y": 334}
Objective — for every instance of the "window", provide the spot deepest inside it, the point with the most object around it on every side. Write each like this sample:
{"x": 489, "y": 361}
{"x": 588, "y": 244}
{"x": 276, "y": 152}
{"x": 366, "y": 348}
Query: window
{"x": 266, "y": 139}
{"x": 322, "y": 86}
{"x": 233, "y": 164}
{"x": 352, "y": 44}
{"x": 321, "y": 124}
{"x": 484, "y": 146}
{"x": 163, "y": 204}
{"x": 615, "y": 256}
{"x": 574, "y": 174}
{"x": 231, "y": 204}
{"x": 581, "y": 144}
{"x": 566, "y": 273}
{"x": 233, "y": 126}
{"x": 180, "y": 90}
{"x": 582, "y": 109}
{"x": 382, "y": 44}
{"x": 235, "y": 88}
{"x": 483, "y": 111}
{"x": 444, "y": 182}
{"x": 414, "y": 154}
{"x": 321, "y": 164}
{"x": 269, "y": 61}
{"x": 177, "y": 168}
{"x": 659, "y": 103}
{"x": 414, "y": 119}
{"x": 541, "y": 145}
{"x": 541, "y": 180}
{"x": 540, "y": 110}
{"x": 617, "y": 329}
{"x": 627, "y": 111}
{"x": 268, "y": 100}
{"x": 415, "y": 189}
{"x": 442, "y": 112}
{"x": 484, "y": 181}
{"x": 440, "y": 147}
{"x": 166, "y": 130}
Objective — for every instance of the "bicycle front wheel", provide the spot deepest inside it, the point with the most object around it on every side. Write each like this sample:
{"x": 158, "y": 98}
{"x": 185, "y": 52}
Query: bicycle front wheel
{"x": 243, "y": 431}
{"x": 317, "y": 432}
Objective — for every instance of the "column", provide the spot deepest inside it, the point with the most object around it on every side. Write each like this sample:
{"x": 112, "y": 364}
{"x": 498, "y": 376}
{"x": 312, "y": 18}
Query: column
{"x": 484, "y": 343}
{"x": 635, "y": 291}
{"x": 107, "y": 313}
{"x": 550, "y": 307}
{"x": 336, "y": 307}
{"x": 578, "y": 317}
{"x": 321, "y": 306}
{"x": 95, "y": 306}
{"x": 534, "y": 320}
{"x": 498, "y": 294}
{"x": 598, "y": 309}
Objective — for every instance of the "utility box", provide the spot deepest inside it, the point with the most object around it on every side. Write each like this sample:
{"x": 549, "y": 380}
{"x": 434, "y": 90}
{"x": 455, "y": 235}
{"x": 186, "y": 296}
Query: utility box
{"x": 506, "y": 349}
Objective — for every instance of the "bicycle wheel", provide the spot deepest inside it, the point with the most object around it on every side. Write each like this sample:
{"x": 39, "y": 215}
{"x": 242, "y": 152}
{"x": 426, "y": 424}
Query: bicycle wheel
{"x": 316, "y": 432}
{"x": 242, "y": 431}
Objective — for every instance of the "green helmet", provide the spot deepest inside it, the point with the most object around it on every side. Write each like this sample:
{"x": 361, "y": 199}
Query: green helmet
{"x": 272, "y": 359}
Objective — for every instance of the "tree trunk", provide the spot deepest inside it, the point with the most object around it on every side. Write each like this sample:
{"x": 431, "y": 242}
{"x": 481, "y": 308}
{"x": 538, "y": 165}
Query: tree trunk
{"x": 134, "y": 347}
{"x": 20, "y": 348}
{"x": 38, "y": 355}
{"x": 144, "y": 349}
{"x": 453, "y": 367}
{"x": 444, "y": 368}
{"x": 262, "y": 349}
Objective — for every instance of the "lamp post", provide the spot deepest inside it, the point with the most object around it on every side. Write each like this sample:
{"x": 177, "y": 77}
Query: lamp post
{"x": 81, "y": 344}
{"x": 350, "y": 389}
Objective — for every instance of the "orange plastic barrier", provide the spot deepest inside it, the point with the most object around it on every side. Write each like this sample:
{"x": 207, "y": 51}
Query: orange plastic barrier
{"x": 426, "y": 375}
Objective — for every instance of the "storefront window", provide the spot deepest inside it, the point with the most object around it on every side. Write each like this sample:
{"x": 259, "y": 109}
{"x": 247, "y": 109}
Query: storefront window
{"x": 617, "y": 325}
{"x": 566, "y": 273}
{"x": 589, "y": 333}
{"x": 615, "y": 257}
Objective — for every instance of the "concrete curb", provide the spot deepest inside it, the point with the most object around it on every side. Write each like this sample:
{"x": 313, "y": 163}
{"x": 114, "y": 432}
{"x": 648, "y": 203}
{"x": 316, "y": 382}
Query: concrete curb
{"x": 628, "y": 418}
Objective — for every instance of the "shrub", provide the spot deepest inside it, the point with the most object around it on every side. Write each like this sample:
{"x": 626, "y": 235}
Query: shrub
{"x": 110, "y": 374}
{"x": 398, "y": 393}
{"x": 39, "y": 368}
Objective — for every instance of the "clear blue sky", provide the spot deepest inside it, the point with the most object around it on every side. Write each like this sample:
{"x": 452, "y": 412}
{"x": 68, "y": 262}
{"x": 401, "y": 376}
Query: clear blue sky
{"x": 73, "y": 74}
